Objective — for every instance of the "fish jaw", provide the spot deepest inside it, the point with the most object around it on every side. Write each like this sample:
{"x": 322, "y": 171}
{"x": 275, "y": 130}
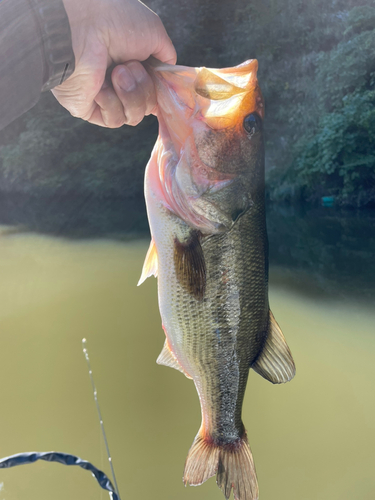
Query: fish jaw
{"x": 200, "y": 115}
{"x": 176, "y": 104}
{"x": 226, "y": 94}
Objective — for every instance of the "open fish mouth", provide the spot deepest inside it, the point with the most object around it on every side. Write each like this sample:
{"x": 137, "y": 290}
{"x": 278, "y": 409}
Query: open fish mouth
{"x": 216, "y": 96}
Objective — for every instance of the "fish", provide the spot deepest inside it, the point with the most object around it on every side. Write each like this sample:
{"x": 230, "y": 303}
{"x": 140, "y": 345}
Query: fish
{"x": 205, "y": 198}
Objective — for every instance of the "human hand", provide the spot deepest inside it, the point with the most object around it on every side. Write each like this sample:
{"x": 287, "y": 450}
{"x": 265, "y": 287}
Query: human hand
{"x": 107, "y": 33}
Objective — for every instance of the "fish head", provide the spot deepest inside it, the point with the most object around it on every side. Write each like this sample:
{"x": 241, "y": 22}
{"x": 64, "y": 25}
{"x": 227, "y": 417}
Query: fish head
{"x": 211, "y": 141}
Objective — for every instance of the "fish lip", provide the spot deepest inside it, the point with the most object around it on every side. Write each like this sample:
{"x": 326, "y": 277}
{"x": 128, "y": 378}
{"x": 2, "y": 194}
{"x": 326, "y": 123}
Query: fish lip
{"x": 155, "y": 68}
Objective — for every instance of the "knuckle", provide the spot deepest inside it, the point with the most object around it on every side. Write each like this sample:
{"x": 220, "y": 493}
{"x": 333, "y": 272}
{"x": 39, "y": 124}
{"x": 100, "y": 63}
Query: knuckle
{"x": 76, "y": 114}
{"x": 117, "y": 123}
{"x": 133, "y": 122}
{"x": 113, "y": 121}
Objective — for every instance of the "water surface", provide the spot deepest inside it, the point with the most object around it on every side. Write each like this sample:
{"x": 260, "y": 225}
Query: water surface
{"x": 312, "y": 439}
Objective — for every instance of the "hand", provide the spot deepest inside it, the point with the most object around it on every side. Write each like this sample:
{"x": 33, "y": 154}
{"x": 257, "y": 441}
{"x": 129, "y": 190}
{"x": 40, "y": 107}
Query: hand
{"x": 107, "y": 33}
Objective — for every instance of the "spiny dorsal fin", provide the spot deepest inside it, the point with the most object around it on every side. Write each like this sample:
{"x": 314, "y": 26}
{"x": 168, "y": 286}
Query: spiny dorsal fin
{"x": 275, "y": 362}
{"x": 190, "y": 265}
{"x": 150, "y": 266}
{"x": 167, "y": 358}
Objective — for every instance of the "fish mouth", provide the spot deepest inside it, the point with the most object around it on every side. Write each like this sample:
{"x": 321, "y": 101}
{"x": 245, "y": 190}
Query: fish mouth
{"x": 218, "y": 97}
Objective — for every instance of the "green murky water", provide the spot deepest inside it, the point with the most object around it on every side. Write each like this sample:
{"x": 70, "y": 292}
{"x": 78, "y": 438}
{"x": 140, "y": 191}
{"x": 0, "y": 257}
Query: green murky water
{"x": 312, "y": 439}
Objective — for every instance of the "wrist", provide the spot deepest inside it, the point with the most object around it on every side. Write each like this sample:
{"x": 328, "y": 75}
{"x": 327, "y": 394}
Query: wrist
{"x": 59, "y": 58}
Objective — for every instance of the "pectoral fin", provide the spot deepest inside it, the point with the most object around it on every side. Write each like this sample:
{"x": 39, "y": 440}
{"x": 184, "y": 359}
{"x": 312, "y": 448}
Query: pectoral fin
{"x": 190, "y": 265}
{"x": 167, "y": 358}
{"x": 150, "y": 266}
{"x": 275, "y": 362}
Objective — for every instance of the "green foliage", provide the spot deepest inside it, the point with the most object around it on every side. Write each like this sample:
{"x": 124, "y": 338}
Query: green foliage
{"x": 340, "y": 159}
{"x": 360, "y": 19}
{"x": 333, "y": 153}
{"x": 350, "y": 67}
{"x": 56, "y": 154}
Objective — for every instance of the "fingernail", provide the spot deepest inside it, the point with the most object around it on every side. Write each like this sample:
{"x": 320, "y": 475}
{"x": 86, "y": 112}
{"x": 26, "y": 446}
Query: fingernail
{"x": 137, "y": 70}
{"x": 126, "y": 79}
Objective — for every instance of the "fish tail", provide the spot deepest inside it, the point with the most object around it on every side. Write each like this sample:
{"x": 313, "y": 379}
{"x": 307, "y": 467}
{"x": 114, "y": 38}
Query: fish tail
{"x": 232, "y": 463}
{"x": 202, "y": 461}
{"x": 236, "y": 470}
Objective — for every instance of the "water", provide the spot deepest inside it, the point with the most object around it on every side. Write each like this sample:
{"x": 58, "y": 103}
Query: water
{"x": 312, "y": 439}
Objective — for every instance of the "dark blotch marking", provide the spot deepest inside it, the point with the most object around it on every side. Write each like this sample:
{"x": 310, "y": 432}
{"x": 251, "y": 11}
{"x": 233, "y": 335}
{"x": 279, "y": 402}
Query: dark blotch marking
{"x": 190, "y": 265}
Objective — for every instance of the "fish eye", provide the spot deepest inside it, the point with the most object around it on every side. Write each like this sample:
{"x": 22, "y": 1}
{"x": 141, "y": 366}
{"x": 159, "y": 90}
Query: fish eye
{"x": 252, "y": 124}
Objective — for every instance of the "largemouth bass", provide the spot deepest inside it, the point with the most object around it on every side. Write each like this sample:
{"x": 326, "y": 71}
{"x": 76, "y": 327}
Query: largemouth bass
{"x": 204, "y": 188}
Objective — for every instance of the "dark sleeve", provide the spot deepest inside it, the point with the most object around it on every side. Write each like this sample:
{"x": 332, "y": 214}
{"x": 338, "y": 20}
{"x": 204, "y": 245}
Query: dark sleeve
{"x": 35, "y": 53}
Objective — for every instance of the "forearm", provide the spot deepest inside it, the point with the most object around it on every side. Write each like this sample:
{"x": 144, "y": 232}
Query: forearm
{"x": 35, "y": 53}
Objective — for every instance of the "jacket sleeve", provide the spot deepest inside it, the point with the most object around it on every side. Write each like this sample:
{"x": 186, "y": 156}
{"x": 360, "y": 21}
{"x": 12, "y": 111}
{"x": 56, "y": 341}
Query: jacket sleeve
{"x": 35, "y": 53}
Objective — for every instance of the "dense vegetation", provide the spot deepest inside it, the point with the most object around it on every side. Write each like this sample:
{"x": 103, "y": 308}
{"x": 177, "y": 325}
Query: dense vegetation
{"x": 317, "y": 73}
{"x": 57, "y": 154}
{"x": 333, "y": 151}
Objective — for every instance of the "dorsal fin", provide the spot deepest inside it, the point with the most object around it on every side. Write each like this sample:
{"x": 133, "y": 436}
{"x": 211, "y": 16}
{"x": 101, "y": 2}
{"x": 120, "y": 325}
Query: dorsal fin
{"x": 150, "y": 266}
{"x": 275, "y": 362}
{"x": 167, "y": 358}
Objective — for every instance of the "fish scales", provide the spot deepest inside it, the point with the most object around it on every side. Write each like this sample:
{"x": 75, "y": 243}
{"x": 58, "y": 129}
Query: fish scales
{"x": 229, "y": 334}
{"x": 204, "y": 189}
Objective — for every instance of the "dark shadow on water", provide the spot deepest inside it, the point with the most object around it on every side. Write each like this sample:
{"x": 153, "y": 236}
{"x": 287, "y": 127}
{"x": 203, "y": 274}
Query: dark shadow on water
{"x": 325, "y": 253}
{"x": 79, "y": 217}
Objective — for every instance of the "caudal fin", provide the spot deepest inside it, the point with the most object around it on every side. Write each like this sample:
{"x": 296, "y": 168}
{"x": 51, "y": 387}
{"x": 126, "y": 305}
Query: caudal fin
{"x": 232, "y": 463}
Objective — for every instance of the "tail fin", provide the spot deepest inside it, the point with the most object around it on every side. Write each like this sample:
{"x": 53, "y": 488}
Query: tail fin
{"x": 233, "y": 463}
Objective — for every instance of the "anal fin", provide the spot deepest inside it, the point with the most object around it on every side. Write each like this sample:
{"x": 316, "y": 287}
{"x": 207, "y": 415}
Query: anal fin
{"x": 275, "y": 362}
{"x": 167, "y": 358}
{"x": 150, "y": 266}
